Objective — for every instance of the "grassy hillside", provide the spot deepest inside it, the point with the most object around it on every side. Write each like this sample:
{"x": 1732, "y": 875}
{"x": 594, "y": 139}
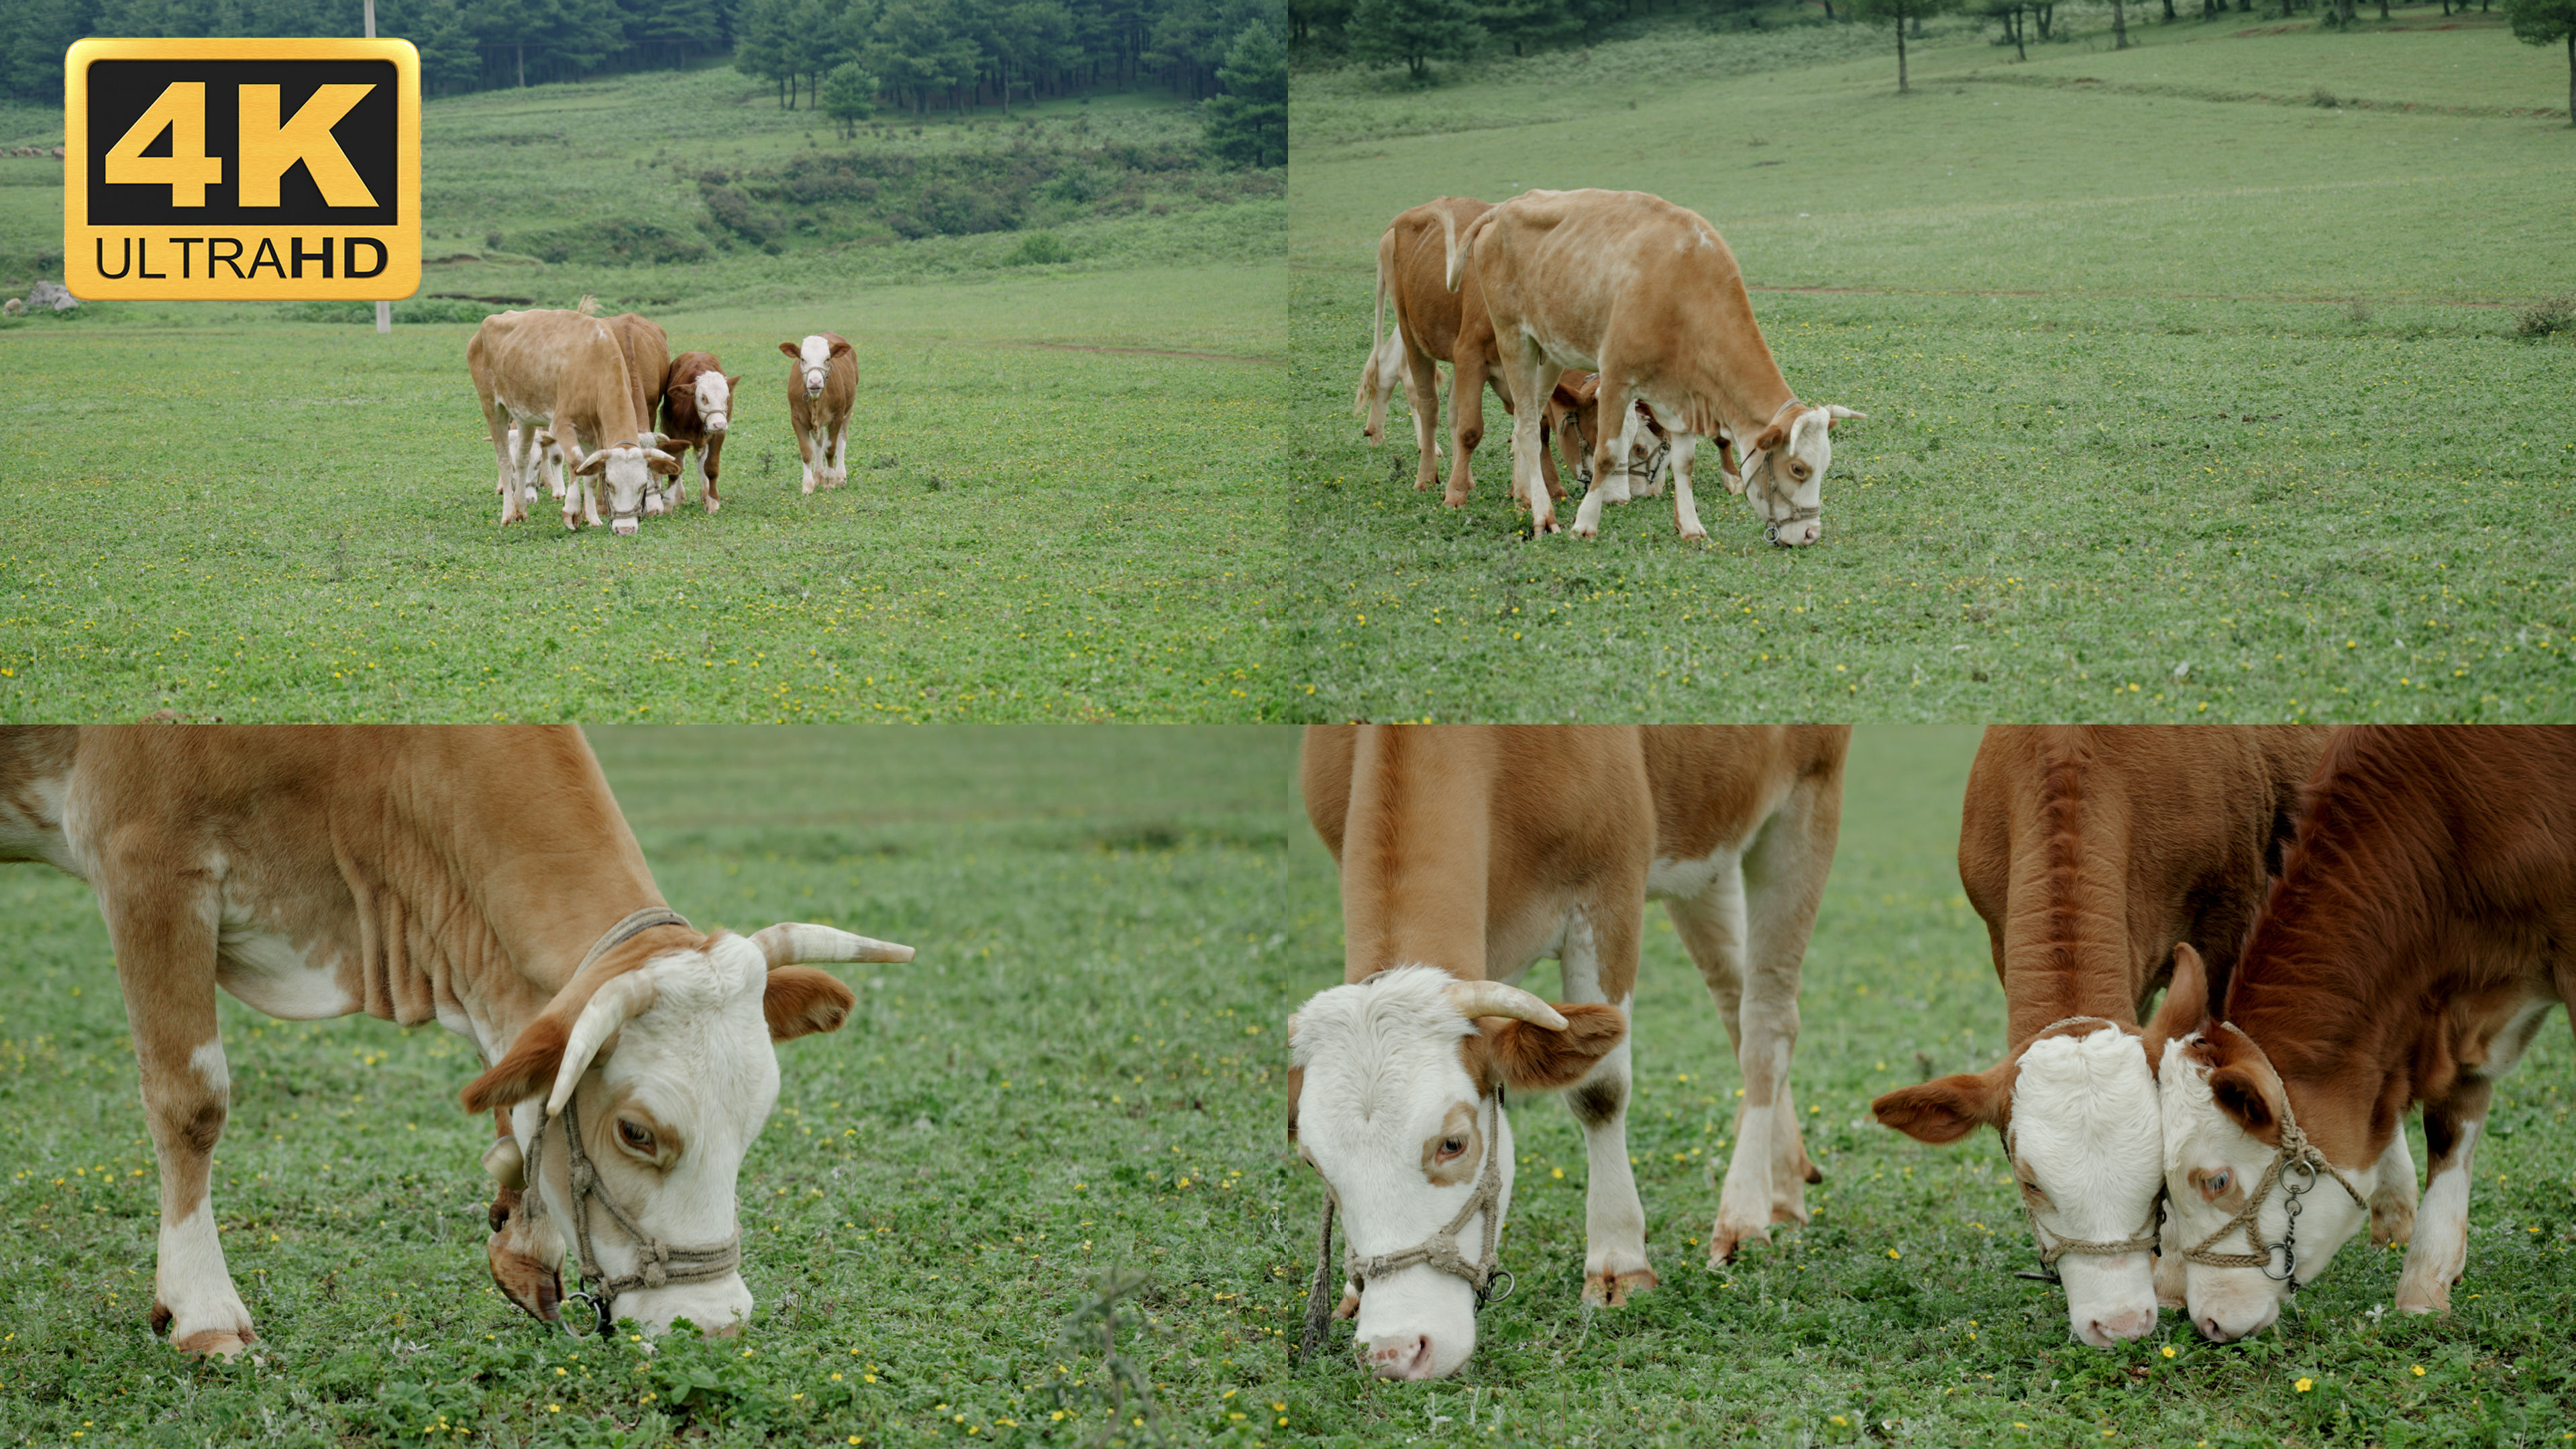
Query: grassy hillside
{"x": 1083, "y": 1072}
{"x": 2170, "y": 396}
{"x": 603, "y": 186}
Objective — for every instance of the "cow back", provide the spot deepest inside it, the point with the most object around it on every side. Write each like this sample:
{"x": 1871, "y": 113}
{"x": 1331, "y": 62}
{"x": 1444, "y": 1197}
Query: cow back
{"x": 646, "y": 350}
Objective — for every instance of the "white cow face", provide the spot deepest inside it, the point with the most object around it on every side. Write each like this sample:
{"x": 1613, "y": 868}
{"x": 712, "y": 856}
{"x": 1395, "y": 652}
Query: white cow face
{"x": 2223, "y": 1109}
{"x": 1392, "y": 1100}
{"x": 1784, "y": 473}
{"x": 672, "y": 1068}
{"x": 813, "y": 361}
{"x": 715, "y": 401}
{"x": 2078, "y": 1110}
{"x": 628, "y": 470}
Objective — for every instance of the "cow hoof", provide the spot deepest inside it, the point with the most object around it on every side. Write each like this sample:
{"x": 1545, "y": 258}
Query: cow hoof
{"x": 1694, "y": 535}
{"x": 714, "y": 503}
{"x": 212, "y": 1343}
{"x": 1611, "y": 1290}
{"x": 1582, "y": 532}
{"x": 2392, "y": 1221}
{"x": 1349, "y": 1307}
{"x": 1726, "y": 1242}
{"x": 1793, "y": 1214}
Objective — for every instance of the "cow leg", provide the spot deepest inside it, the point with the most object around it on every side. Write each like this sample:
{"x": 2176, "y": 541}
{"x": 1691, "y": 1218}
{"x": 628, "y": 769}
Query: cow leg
{"x": 1713, "y": 929}
{"x": 806, "y": 449}
{"x": 1784, "y": 879}
{"x": 712, "y": 463}
{"x": 2439, "y": 1252}
{"x": 1614, "y": 1263}
{"x": 2392, "y": 1200}
{"x": 525, "y": 1252}
{"x": 163, "y": 932}
{"x": 1467, "y": 383}
{"x": 1686, "y": 504}
{"x": 839, "y": 457}
{"x": 1526, "y": 370}
{"x": 1422, "y": 396}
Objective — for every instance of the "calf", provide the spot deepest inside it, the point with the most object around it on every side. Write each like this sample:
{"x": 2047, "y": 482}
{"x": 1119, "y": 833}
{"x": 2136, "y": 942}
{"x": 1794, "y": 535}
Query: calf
{"x": 1468, "y": 853}
{"x": 481, "y": 878}
{"x": 1434, "y": 323}
{"x": 2424, "y": 924}
{"x": 1643, "y": 450}
{"x": 1645, "y": 293}
{"x": 2092, "y": 854}
{"x": 821, "y": 389}
{"x": 561, "y": 378}
{"x": 697, "y": 406}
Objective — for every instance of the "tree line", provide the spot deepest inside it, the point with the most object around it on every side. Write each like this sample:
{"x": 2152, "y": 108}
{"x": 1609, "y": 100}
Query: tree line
{"x": 1415, "y": 33}
{"x": 915, "y": 54}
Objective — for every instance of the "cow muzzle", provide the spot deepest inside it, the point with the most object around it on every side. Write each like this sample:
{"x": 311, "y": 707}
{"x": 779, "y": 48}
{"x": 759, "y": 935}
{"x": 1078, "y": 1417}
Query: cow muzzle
{"x": 716, "y": 425}
{"x": 1796, "y": 533}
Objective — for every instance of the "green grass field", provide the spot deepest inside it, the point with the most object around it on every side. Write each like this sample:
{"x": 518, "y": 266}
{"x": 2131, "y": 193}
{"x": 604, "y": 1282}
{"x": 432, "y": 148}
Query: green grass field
{"x": 1082, "y": 1073}
{"x": 2181, "y": 406}
{"x": 1058, "y": 488}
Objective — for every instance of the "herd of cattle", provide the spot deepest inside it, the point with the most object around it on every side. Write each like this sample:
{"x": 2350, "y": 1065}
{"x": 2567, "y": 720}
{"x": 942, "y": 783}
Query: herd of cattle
{"x": 572, "y": 398}
{"x": 1530, "y": 294}
{"x": 2347, "y": 925}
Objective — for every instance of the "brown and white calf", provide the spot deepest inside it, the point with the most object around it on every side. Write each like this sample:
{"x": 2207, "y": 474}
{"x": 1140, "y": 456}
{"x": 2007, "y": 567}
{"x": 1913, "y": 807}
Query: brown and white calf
{"x": 1434, "y": 323}
{"x": 1640, "y": 452}
{"x": 2092, "y": 853}
{"x": 2424, "y": 925}
{"x": 697, "y": 407}
{"x": 1468, "y": 853}
{"x": 1645, "y": 293}
{"x": 562, "y": 378}
{"x": 822, "y": 388}
{"x": 481, "y": 878}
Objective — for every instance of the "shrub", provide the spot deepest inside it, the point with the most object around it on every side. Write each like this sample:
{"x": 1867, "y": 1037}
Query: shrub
{"x": 1039, "y": 248}
{"x": 2546, "y": 316}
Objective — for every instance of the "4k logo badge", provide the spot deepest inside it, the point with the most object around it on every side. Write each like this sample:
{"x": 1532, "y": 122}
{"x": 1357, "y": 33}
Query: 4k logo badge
{"x": 241, "y": 169}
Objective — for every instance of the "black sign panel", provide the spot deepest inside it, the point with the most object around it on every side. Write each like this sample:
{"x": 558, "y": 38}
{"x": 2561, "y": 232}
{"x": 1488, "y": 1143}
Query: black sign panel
{"x": 122, "y": 92}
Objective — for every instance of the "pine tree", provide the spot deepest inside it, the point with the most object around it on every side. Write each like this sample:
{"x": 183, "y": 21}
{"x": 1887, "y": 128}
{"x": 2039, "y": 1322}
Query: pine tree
{"x": 2538, "y": 22}
{"x": 1416, "y": 32}
{"x": 1247, "y": 125}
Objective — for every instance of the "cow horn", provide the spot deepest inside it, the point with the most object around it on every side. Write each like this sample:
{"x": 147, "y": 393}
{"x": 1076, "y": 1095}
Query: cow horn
{"x": 505, "y": 1164}
{"x": 612, "y": 1006}
{"x": 1493, "y": 998}
{"x": 790, "y": 943}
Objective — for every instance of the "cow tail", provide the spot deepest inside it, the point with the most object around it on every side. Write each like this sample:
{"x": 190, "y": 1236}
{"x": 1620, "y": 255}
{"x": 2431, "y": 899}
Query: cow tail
{"x": 1377, "y": 327}
{"x": 1460, "y": 245}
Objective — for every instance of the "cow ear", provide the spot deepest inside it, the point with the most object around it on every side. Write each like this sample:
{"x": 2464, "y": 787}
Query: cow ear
{"x": 662, "y": 463}
{"x": 841, "y": 349}
{"x": 1536, "y": 1059}
{"x": 2247, "y": 1095}
{"x": 526, "y": 1072}
{"x": 1296, "y": 1089}
{"x": 1770, "y": 438}
{"x": 801, "y": 1000}
{"x": 731, "y": 382}
{"x": 792, "y": 350}
{"x": 1946, "y": 1108}
{"x": 2185, "y": 1008}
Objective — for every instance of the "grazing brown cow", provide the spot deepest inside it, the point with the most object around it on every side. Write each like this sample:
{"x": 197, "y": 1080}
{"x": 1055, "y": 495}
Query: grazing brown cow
{"x": 1434, "y": 323}
{"x": 482, "y": 878}
{"x": 1466, "y": 854}
{"x": 648, "y": 360}
{"x": 822, "y": 388}
{"x": 697, "y": 407}
{"x": 561, "y": 378}
{"x": 1643, "y": 292}
{"x": 2091, "y": 853}
{"x": 2424, "y": 924}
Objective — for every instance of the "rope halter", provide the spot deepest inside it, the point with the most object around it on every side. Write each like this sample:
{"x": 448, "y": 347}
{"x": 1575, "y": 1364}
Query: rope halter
{"x": 1440, "y": 1250}
{"x": 2295, "y": 1156}
{"x": 658, "y": 1264}
{"x": 1778, "y": 508}
{"x": 2052, "y": 1246}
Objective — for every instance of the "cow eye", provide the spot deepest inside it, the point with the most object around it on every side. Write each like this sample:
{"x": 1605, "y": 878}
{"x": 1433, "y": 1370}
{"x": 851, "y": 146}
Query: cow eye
{"x": 2216, "y": 1182}
{"x": 1452, "y": 1146}
{"x": 637, "y": 1139}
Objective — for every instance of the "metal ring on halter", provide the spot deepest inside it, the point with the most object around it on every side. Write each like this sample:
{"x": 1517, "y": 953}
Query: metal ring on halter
{"x": 1496, "y": 1294}
{"x": 598, "y": 1309}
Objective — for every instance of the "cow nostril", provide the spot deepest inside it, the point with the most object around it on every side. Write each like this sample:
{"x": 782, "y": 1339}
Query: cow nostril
{"x": 1408, "y": 1357}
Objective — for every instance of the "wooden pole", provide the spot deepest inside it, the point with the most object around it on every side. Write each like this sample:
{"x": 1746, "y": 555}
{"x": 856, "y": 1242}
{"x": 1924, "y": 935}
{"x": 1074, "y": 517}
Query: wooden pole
{"x": 384, "y": 310}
